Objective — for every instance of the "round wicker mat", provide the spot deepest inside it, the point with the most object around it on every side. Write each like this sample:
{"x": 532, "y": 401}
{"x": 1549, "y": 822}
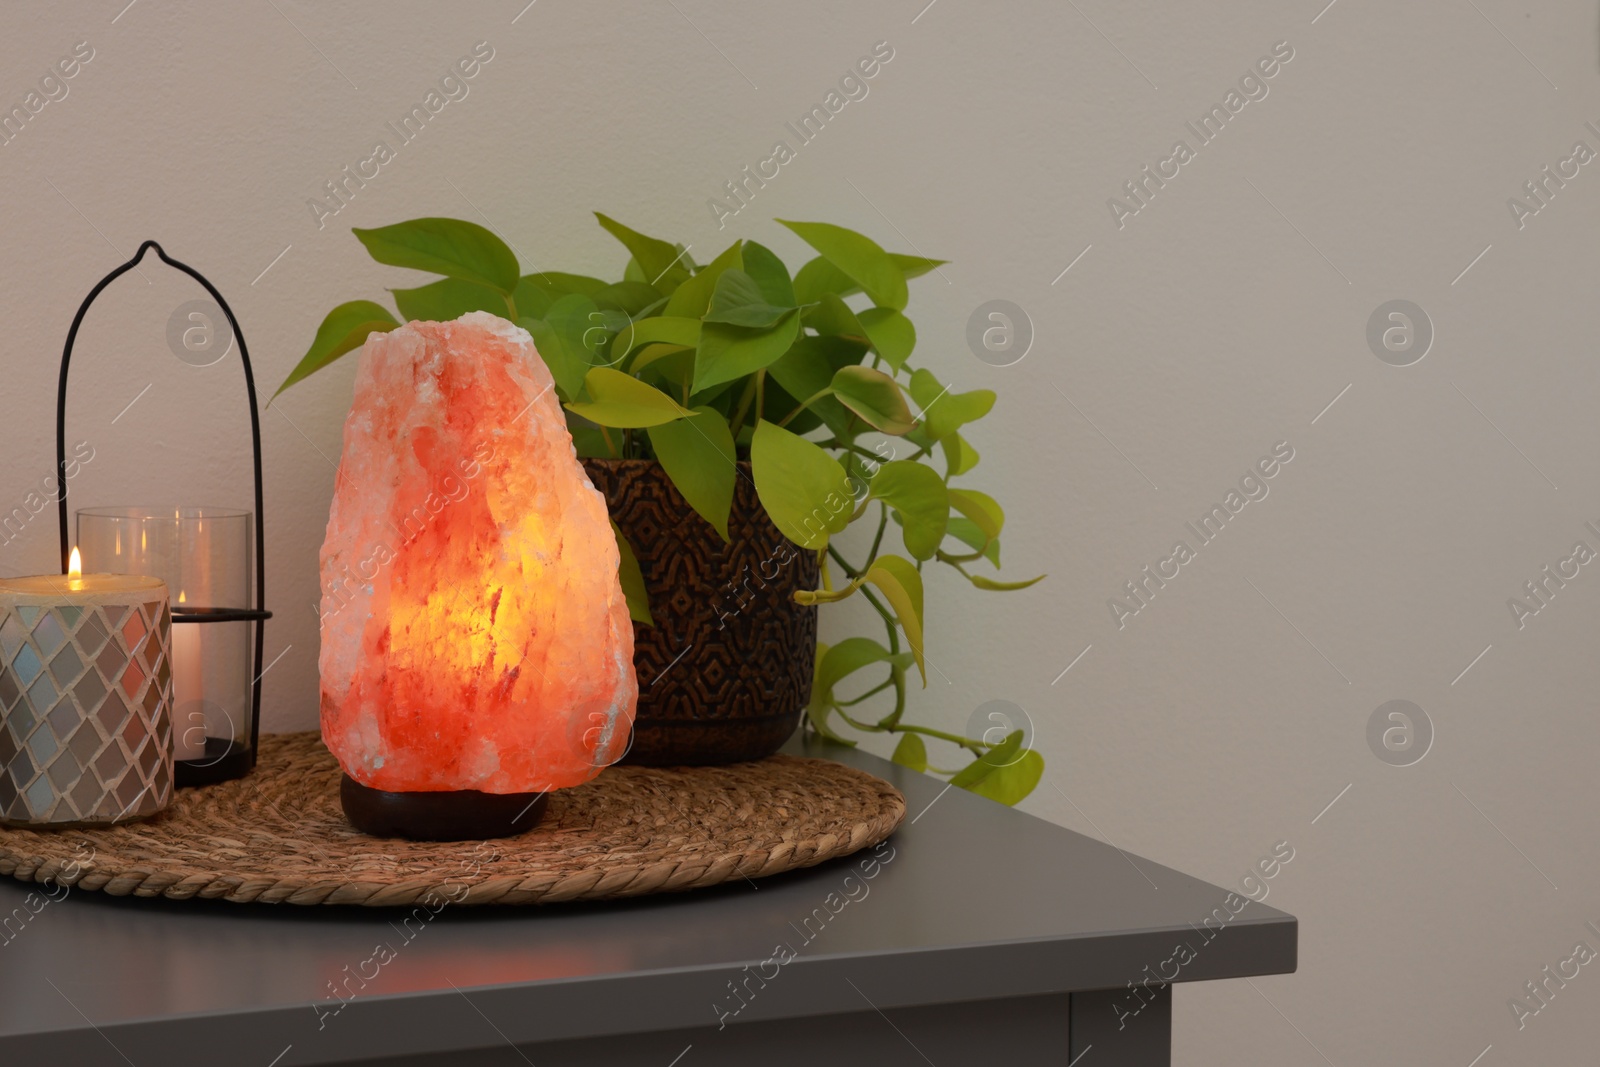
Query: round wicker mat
{"x": 279, "y": 836}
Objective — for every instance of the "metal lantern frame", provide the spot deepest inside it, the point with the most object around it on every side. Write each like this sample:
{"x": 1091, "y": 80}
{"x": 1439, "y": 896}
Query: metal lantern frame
{"x": 235, "y": 764}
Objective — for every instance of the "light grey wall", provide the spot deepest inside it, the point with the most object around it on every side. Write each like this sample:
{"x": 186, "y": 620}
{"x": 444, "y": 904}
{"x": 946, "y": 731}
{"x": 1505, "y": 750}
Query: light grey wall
{"x": 1181, "y": 346}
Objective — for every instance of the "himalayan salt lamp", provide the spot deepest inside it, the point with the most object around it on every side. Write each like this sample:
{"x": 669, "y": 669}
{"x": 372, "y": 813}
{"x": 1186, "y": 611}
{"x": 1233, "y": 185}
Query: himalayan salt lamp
{"x": 476, "y": 647}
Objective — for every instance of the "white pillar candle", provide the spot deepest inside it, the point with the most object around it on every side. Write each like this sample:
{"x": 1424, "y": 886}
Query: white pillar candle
{"x": 188, "y": 690}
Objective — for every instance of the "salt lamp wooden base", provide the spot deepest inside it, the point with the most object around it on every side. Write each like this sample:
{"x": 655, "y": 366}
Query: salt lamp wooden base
{"x": 446, "y": 815}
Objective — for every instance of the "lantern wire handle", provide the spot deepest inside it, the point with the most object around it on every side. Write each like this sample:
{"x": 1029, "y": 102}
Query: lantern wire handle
{"x": 259, "y": 614}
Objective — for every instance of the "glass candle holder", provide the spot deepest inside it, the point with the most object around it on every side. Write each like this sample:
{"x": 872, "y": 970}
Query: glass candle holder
{"x": 204, "y": 555}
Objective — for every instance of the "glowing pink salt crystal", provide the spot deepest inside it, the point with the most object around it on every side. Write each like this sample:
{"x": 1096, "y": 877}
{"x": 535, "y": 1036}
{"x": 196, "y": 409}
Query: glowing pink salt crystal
{"x": 474, "y": 633}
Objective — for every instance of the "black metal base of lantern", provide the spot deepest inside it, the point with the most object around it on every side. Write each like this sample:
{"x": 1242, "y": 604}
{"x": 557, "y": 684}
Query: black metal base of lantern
{"x": 224, "y": 761}
{"x": 446, "y": 815}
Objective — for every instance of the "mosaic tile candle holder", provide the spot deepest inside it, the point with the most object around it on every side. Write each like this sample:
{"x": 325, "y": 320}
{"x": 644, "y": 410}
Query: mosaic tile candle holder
{"x": 85, "y": 700}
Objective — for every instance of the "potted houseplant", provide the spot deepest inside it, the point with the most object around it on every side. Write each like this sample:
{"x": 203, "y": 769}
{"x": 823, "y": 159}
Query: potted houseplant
{"x": 738, "y": 417}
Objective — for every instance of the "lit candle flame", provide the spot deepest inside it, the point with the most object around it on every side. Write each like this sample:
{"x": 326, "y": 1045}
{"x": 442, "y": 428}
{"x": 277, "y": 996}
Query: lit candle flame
{"x": 180, "y": 596}
{"x": 75, "y": 565}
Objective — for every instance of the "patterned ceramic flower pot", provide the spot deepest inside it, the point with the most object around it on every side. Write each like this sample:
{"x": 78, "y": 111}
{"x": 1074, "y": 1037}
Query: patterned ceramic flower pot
{"x": 725, "y": 672}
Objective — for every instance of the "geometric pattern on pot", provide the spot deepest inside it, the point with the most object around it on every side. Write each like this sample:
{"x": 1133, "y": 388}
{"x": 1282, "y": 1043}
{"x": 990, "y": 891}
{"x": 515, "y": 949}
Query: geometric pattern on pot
{"x": 85, "y": 720}
{"x": 725, "y": 672}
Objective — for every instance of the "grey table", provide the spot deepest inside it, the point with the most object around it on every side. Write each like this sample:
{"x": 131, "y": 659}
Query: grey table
{"x": 983, "y": 935}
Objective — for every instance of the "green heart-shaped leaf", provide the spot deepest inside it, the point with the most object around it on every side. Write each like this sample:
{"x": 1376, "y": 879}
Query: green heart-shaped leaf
{"x": 959, "y": 455}
{"x": 845, "y": 658}
{"x": 537, "y": 292}
{"x": 660, "y": 264}
{"x": 891, "y": 333}
{"x": 691, "y": 298}
{"x": 663, "y": 329}
{"x": 632, "y": 580}
{"x": 452, "y": 247}
{"x": 728, "y": 352}
{"x": 769, "y": 273}
{"x": 698, "y": 456}
{"x": 820, "y": 276}
{"x": 447, "y": 299}
{"x": 738, "y": 301}
{"x": 859, "y": 257}
{"x": 875, "y": 397}
{"x": 944, "y": 412}
{"x": 832, "y": 317}
{"x": 918, "y": 496}
{"x": 822, "y": 706}
{"x": 346, "y": 327}
{"x": 803, "y": 489}
{"x": 1013, "y": 780}
{"x": 911, "y": 752}
{"x": 916, "y": 266}
{"x": 901, "y": 585}
{"x": 981, "y": 508}
{"x": 807, "y": 369}
{"x": 624, "y": 402}
{"x": 992, "y": 760}
{"x": 566, "y": 340}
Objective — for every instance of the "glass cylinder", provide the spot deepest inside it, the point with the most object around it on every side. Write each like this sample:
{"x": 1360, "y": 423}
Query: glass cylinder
{"x": 204, "y": 554}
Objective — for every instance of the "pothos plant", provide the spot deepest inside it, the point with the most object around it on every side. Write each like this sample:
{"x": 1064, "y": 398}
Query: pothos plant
{"x": 805, "y": 375}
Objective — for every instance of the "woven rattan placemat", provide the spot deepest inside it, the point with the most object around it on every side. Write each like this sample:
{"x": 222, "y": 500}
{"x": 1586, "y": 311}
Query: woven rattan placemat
{"x": 279, "y": 836}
